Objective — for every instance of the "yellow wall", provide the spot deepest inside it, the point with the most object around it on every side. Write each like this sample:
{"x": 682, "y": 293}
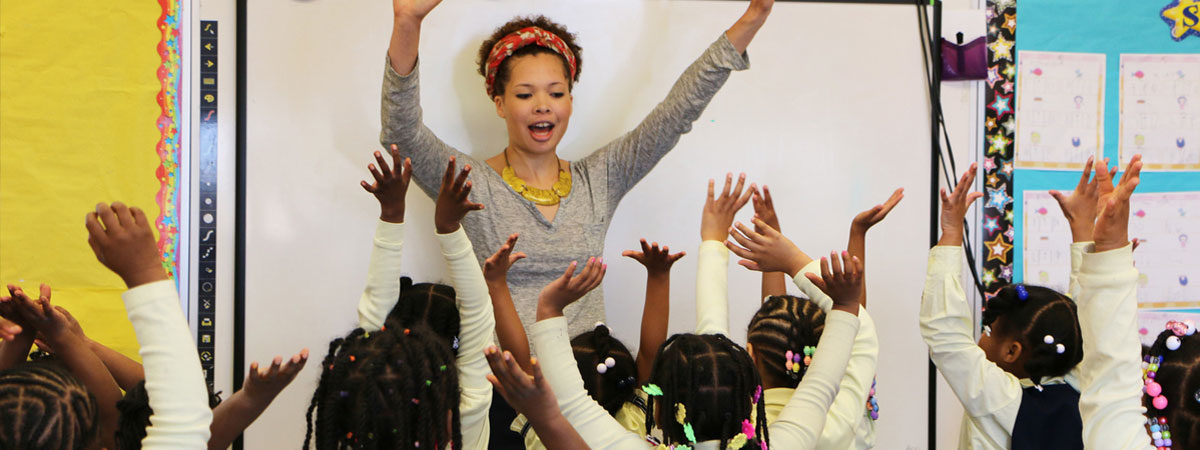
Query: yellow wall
{"x": 77, "y": 126}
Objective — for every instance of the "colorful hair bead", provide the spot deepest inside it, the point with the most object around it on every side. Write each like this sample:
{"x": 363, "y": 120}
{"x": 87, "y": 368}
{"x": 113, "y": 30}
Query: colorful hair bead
{"x": 1022, "y": 293}
{"x": 652, "y": 389}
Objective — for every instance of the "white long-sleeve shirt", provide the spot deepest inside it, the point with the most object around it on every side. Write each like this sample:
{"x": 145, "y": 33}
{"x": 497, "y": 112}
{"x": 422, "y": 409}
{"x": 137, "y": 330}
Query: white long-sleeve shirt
{"x": 798, "y": 424}
{"x": 474, "y": 310}
{"x": 1110, "y": 398}
{"x": 846, "y": 424}
{"x": 991, "y": 397}
{"x": 174, "y": 380}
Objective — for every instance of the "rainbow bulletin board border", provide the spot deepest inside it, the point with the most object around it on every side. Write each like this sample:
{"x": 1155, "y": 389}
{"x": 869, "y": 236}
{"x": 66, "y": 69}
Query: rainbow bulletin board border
{"x": 999, "y": 131}
{"x": 168, "y": 147}
{"x": 1111, "y": 28}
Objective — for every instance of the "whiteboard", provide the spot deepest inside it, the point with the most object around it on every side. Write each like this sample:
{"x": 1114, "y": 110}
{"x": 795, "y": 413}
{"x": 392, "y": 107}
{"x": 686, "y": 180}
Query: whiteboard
{"x": 832, "y": 115}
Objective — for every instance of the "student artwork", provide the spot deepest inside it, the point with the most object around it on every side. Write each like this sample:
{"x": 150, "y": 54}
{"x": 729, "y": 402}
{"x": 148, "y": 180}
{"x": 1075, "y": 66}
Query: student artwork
{"x": 1160, "y": 110}
{"x": 1060, "y": 109}
{"x": 1162, "y": 224}
{"x": 1183, "y": 16}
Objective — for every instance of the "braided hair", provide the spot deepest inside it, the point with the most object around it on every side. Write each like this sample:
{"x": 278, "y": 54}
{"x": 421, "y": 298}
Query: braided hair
{"x": 715, "y": 381}
{"x": 385, "y": 390}
{"x": 1042, "y": 313}
{"x": 429, "y": 303}
{"x": 784, "y": 323}
{"x": 1179, "y": 376}
{"x": 617, "y": 385}
{"x": 43, "y": 406}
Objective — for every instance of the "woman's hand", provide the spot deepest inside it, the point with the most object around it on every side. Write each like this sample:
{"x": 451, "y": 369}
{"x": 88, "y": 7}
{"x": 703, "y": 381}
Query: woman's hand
{"x": 453, "y": 201}
{"x": 413, "y": 9}
{"x": 718, "y": 212}
{"x": 390, "y": 186}
{"x": 742, "y": 31}
{"x": 955, "y": 206}
{"x": 570, "y": 287}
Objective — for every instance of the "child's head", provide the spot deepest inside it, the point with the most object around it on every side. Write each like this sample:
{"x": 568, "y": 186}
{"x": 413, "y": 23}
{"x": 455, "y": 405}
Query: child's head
{"x": 1031, "y": 332}
{"x": 394, "y": 388}
{"x": 427, "y": 303}
{"x": 1178, "y": 378}
{"x": 783, "y": 327}
{"x": 43, "y": 406}
{"x": 709, "y": 383}
{"x": 610, "y": 385}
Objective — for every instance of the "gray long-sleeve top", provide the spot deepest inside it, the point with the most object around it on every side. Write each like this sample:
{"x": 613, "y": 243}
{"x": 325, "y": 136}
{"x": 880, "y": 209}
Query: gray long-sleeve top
{"x": 598, "y": 181}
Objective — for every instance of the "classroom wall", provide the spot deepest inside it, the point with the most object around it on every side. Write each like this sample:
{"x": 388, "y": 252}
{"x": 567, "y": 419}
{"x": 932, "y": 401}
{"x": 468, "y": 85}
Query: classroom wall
{"x": 833, "y": 119}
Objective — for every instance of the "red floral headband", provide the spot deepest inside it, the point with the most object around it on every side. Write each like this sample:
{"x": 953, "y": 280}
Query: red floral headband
{"x": 521, "y": 38}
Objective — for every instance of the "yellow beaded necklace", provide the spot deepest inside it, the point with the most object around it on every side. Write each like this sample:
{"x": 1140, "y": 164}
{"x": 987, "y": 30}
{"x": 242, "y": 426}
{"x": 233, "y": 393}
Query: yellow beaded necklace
{"x": 542, "y": 197}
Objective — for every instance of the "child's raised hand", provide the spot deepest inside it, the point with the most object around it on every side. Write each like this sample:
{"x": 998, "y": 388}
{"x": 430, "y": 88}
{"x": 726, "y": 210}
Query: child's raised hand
{"x": 768, "y": 251}
{"x": 528, "y": 395}
{"x": 123, "y": 241}
{"x": 570, "y": 287}
{"x": 495, "y": 268}
{"x": 867, "y": 219}
{"x": 764, "y": 209}
{"x": 1112, "y": 219}
{"x": 955, "y": 206}
{"x": 51, "y": 324}
{"x": 1080, "y": 207}
{"x": 390, "y": 186}
{"x": 719, "y": 211}
{"x": 453, "y": 202}
{"x": 414, "y": 9}
{"x": 843, "y": 282}
{"x": 656, "y": 259}
{"x": 265, "y": 384}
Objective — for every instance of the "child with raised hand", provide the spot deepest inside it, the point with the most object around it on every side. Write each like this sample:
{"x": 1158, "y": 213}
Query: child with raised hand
{"x": 123, "y": 241}
{"x": 1110, "y": 400}
{"x": 395, "y": 361}
{"x": 786, "y": 326}
{"x": 798, "y": 417}
{"x": 531, "y": 396}
{"x": 35, "y": 417}
{"x": 1018, "y": 384}
{"x": 610, "y": 372}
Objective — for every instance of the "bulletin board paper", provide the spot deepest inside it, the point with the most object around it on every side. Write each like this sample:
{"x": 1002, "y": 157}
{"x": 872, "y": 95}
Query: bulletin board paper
{"x": 1060, "y": 109}
{"x": 1160, "y": 110}
{"x": 1163, "y": 223}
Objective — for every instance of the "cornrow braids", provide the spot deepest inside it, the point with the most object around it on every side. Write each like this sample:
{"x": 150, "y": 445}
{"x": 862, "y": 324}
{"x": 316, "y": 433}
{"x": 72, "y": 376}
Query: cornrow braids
{"x": 784, "y": 323}
{"x": 517, "y": 23}
{"x": 715, "y": 381}
{"x": 1044, "y": 321}
{"x": 43, "y": 406}
{"x": 1179, "y": 376}
{"x": 618, "y": 384}
{"x": 385, "y": 390}
{"x": 431, "y": 304}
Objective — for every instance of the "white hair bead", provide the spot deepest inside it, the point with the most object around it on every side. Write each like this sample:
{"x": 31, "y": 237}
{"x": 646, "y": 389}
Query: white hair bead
{"x": 601, "y": 368}
{"x": 609, "y": 361}
{"x": 1060, "y": 349}
{"x": 1048, "y": 339}
{"x": 1173, "y": 343}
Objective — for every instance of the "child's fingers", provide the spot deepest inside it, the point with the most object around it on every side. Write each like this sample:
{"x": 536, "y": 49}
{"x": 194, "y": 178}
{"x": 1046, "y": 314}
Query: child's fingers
{"x": 740, "y": 252}
{"x": 538, "y": 378}
{"x": 816, "y": 280}
{"x": 973, "y": 196}
{"x": 516, "y": 257}
{"x": 825, "y": 273}
{"x": 750, "y": 265}
{"x": 448, "y": 176}
{"x": 275, "y": 366}
{"x": 123, "y": 215}
{"x": 1087, "y": 172}
{"x": 44, "y": 292}
{"x": 728, "y": 184}
{"x": 254, "y": 370}
{"x": 384, "y": 167}
{"x": 461, "y": 181}
{"x": 737, "y": 190}
{"x": 379, "y": 180}
{"x": 742, "y": 240}
{"x": 892, "y": 201}
{"x": 708, "y": 202}
{"x": 676, "y": 256}
{"x": 749, "y": 232}
{"x": 570, "y": 271}
{"x": 767, "y": 229}
{"x": 767, "y": 197}
{"x": 406, "y": 175}
{"x": 835, "y": 263}
{"x": 139, "y": 218}
{"x": 107, "y": 217}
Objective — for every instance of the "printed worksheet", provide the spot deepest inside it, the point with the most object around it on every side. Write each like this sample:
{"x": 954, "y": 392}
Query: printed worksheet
{"x": 1160, "y": 110}
{"x": 1165, "y": 258}
{"x": 1060, "y": 109}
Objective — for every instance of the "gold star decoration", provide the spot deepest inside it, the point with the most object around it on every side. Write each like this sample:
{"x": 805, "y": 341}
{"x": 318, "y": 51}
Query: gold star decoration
{"x": 998, "y": 249}
{"x": 1001, "y": 49}
{"x": 1010, "y": 23}
{"x": 1184, "y": 14}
